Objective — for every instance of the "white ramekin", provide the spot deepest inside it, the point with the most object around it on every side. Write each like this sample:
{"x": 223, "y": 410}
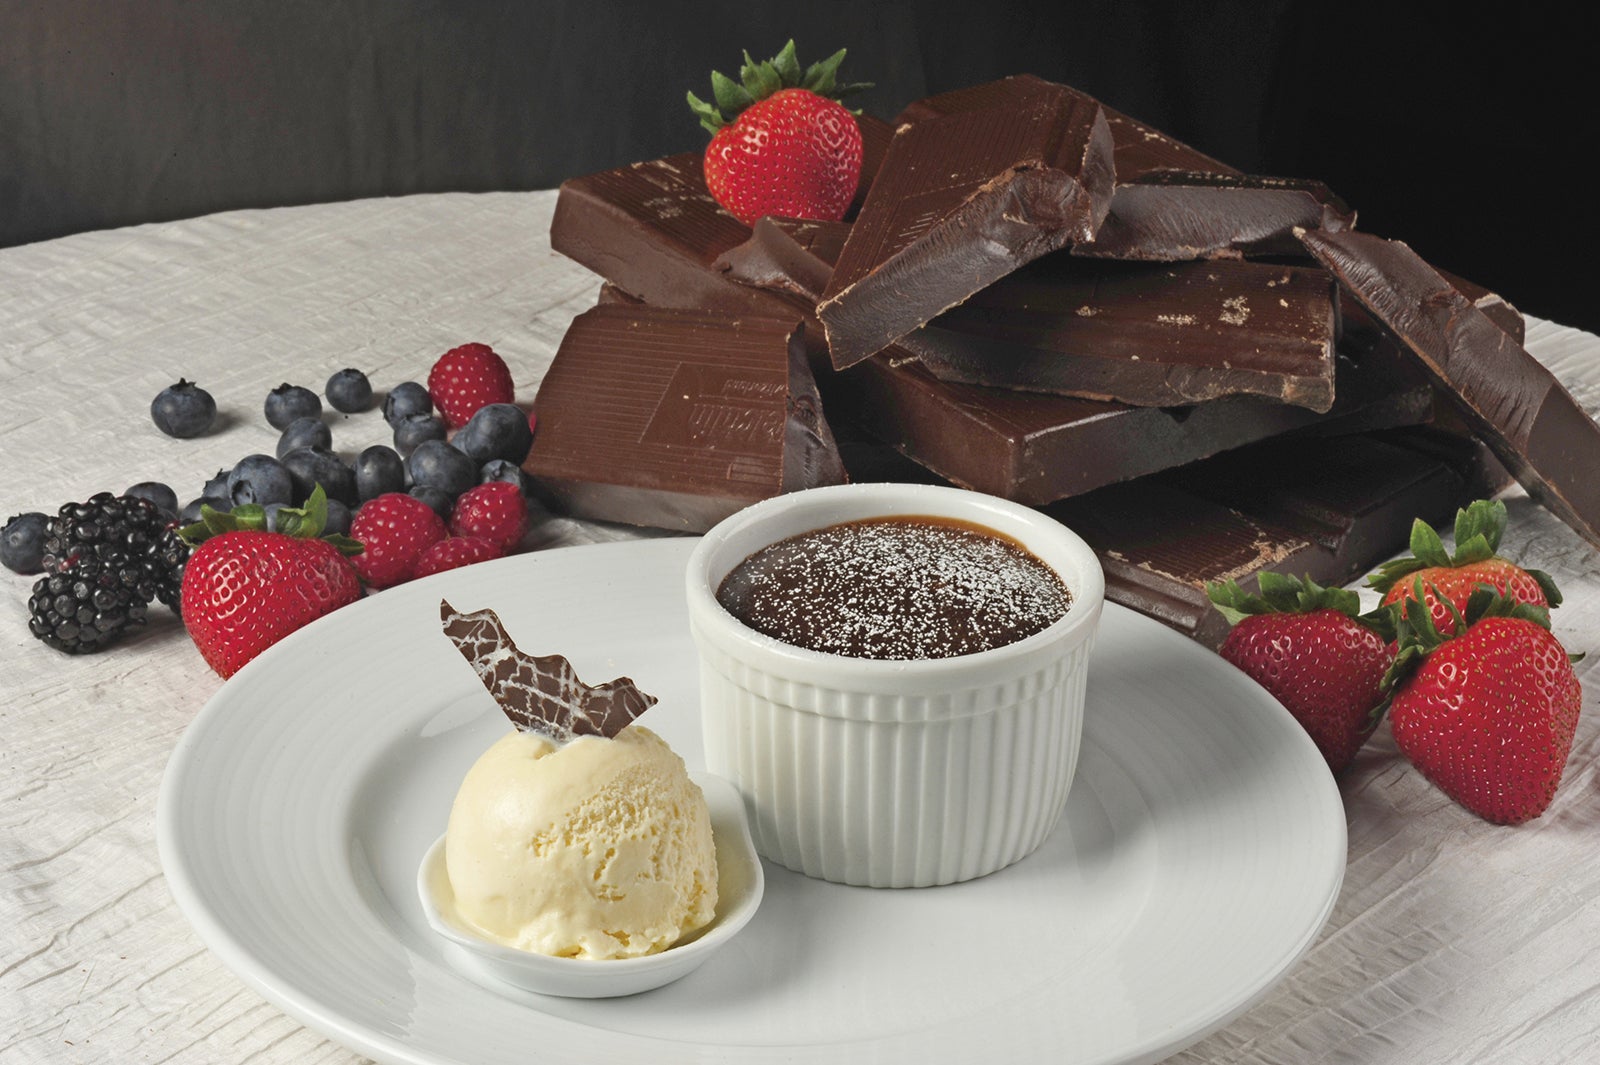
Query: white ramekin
{"x": 893, "y": 773}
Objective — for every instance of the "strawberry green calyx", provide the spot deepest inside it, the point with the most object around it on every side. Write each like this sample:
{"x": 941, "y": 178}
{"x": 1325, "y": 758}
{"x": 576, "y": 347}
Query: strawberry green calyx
{"x": 1417, "y": 636}
{"x": 757, "y": 81}
{"x": 1282, "y": 594}
{"x": 1478, "y": 529}
{"x": 303, "y": 523}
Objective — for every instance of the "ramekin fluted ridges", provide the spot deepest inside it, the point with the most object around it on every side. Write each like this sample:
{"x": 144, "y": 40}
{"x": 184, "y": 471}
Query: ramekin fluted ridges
{"x": 893, "y": 773}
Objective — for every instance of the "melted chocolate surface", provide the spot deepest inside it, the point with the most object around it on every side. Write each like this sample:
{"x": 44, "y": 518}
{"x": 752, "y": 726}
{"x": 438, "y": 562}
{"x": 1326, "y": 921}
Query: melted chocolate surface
{"x": 908, "y": 587}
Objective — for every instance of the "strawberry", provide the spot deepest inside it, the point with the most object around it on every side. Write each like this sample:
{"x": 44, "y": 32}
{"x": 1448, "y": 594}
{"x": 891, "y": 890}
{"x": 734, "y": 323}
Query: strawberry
{"x": 395, "y": 529}
{"x": 1453, "y": 578}
{"x": 495, "y": 511}
{"x": 466, "y": 378}
{"x": 781, "y": 143}
{"x": 454, "y": 551}
{"x": 1306, "y": 645}
{"x": 244, "y": 588}
{"x": 1487, "y": 710}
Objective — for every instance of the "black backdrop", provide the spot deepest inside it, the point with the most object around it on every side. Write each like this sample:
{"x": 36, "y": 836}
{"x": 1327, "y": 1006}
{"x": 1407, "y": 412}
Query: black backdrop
{"x": 1469, "y": 132}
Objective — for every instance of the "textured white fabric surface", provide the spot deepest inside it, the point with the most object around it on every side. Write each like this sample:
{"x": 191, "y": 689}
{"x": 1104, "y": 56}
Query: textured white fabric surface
{"x": 1453, "y": 941}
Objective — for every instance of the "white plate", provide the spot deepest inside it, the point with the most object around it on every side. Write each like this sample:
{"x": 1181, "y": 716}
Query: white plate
{"x": 1201, "y": 851}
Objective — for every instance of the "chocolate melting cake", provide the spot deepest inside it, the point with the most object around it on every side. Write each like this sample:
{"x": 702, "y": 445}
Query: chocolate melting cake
{"x": 896, "y": 588}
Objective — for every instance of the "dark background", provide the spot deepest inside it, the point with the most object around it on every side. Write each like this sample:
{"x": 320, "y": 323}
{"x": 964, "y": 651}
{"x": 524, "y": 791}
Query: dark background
{"x": 1468, "y": 132}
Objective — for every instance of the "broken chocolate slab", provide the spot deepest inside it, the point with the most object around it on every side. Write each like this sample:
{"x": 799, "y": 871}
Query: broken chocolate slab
{"x": 1327, "y": 509}
{"x": 676, "y": 419}
{"x": 1133, "y": 333}
{"x": 960, "y": 201}
{"x": 540, "y": 693}
{"x": 1138, "y": 149}
{"x": 1172, "y": 202}
{"x": 1169, "y": 215}
{"x": 1031, "y": 448}
{"x": 1549, "y": 442}
{"x": 1144, "y": 334}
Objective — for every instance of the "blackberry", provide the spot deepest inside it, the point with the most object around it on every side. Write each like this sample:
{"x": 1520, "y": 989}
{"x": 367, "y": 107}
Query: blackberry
{"x": 128, "y": 536}
{"x": 87, "y": 607}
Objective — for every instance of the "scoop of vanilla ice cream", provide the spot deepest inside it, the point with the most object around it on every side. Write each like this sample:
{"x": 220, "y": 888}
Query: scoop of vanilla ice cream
{"x": 600, "y": 848}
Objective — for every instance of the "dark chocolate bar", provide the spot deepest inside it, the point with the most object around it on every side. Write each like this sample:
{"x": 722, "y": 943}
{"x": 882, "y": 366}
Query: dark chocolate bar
{"x": 1172, "y": 202}
{"x": 1549, "y": 442}
{"x": 1155, "y": 335}
{"x": 676, "y": 419}
{"x": 1031, "y": 448}
{"x": 961, "y": 201}
{"x": 1330, "y": 510}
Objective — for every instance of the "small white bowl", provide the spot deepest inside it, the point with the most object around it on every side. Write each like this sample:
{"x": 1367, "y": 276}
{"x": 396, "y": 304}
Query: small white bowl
{"x": 894, "y": 773}
{"x": 740, "y": 884}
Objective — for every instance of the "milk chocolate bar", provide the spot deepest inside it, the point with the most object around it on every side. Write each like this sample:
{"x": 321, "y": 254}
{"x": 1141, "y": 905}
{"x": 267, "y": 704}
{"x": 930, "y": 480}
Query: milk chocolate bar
{"x": 1303, "y": 507}
{"x": 1549, "y": 442}
{"x": 960, "y": 201}
{"x": 1032, "y": 448}
{"x": 1155, "y": 335}
{"x": 1173, "y": 202}
{"x": 676, "y": 419}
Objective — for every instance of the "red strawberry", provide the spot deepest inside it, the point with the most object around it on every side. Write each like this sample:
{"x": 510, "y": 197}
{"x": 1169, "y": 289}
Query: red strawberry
{"x": 454, "y": 551}
{"x": 1455, "y": 577}
{"x": 394, "y": 528}
{"x": 1307, "y": 647}
{"x": 495, "y": 511}
{"x": 466, "y": 378}
{"x": 781, "y": 142}
{"x": 244, "y": 588}
{"x": 1487, "y": 713}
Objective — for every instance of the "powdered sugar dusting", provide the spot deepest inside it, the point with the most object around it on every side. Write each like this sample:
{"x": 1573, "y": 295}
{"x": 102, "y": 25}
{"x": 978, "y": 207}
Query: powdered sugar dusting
{"x": 895, "y": 588}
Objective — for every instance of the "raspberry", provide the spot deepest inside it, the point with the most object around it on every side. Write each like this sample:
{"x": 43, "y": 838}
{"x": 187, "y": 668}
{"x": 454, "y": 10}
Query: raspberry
{"x": 495, "y": 511}
{"x": 456, "y": 551}
{"x": 466, "y": 378}
{"x": 394, "y": 529}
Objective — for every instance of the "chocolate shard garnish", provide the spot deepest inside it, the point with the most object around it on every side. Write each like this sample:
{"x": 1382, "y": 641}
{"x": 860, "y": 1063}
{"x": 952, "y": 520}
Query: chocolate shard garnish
{"x": 1145, "y": 334}
{"x": 1549, "y": 442}
{"x": 1297, "y": 507}
{"x": 960, "y": 201}
{"x": 1030, "y": 448}
{"x": 676, "y": 419}
{"x": 540, "y": 693}
{"x": 1173, "y": 202}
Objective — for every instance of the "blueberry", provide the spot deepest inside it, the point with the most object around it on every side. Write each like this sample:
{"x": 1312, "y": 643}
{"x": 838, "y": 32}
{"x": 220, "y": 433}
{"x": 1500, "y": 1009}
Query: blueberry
{"x": 183, "y": 410}
{"x": 379, "y": 469}
{"x": 288, "y": 402}
{"x": 22, "y": 543}
{"x": 304, "y": 432}
{"x": 349, "y": 391}
{"x": 440, "y": 500}
{"x": 501, "y": 470}
{"x": 216, "y": 489}
{"x": 413, "y": 429}
{"x": 270, "y": 512}
{"x": 311, "y": 466}
{"x": 496, "y": 431}
{"x": 165, "y": 499}
{"x": 260, "y": 479}
{"x": 408, "y": 397}
{"x": 338, "y": 518}
{"x": 435, "y": 464}
{"x": 191, "y": 510}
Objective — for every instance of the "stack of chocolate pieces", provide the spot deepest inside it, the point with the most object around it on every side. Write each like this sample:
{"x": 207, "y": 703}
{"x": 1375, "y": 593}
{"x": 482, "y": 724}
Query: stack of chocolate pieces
{"x": 1208, "y": 374}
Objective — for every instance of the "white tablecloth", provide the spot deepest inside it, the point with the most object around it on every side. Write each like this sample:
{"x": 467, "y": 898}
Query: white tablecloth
{"x": 1453, "y": 941}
